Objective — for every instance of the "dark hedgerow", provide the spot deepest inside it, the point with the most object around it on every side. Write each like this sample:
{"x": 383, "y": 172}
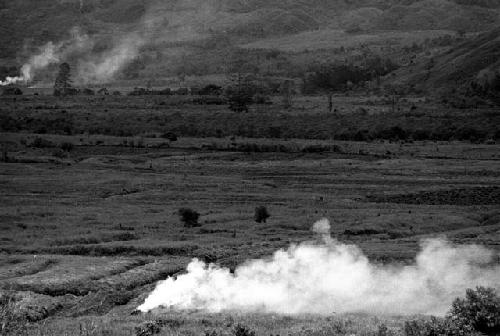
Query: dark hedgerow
{"x": 261, "y": 214}
{"x": 189, "y": 217}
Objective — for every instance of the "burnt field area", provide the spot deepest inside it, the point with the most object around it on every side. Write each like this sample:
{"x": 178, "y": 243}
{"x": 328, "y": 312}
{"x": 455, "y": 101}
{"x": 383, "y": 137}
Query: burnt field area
{"x": 91, "y": 188}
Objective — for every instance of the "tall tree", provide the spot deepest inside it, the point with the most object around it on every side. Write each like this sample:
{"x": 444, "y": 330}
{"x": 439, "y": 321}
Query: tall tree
{"x": 329, "y": 78}
{"x": 286, "y": 89}
{"x": 62, "y": 85}
{"x": 241, "y": 91}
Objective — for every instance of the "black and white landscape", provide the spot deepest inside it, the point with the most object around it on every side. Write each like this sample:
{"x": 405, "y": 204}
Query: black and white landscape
{"x": 249, "y": 168}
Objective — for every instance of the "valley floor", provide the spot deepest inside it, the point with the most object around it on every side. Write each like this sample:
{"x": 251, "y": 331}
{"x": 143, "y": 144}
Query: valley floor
{"x": 86, "y": 233}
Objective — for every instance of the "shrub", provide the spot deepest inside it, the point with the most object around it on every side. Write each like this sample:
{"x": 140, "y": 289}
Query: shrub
{"x": 240, "y": 94}
{"x": 10, "y": 323}
{"x": 169, "y": 136}
{"x": 261, "y": 214}
{"x": 470, "y": 134}
{"x": 477, "y": 314}
{"x": 67, "y": 146}
{"x": 480, "y": 309}
{"x": 434, "y": 327}
{"x": 241, "y": 330}
{"x": 12, "y": 91}
{"x": 59, "y": 153}
{"x": 421, "y": 134}
{"x": 41, "y": 143}
{"x": 148, "y": 328}
{"x": 189, "y": 217}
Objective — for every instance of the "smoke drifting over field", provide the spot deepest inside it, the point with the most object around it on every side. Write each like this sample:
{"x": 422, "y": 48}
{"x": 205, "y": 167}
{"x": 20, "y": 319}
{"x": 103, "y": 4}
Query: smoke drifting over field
{"x": 328, "y": 277}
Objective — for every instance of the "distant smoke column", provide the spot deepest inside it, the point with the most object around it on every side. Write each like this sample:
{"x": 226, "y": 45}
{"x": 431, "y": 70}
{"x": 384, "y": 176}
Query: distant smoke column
{"x": 49, "y": 54}
{"x": 104, "y": 68}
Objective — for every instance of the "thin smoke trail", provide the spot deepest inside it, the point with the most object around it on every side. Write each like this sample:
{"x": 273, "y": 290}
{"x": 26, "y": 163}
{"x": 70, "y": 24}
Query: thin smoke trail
{"x": 331, "y": 277}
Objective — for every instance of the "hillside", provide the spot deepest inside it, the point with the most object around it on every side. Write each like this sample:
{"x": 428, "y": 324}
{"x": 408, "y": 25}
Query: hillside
{"x": 457, "y": 67}
{"x": 39, "y": 21}
{"x": 196, "y": 37}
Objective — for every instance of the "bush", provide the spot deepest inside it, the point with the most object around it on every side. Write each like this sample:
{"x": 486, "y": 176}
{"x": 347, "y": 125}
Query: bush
{"x": 12, "y": 91}
{"x": 470, "y": 134}
{"x": 241, "y": 330}
{"x": 477, "y": 314}
{"x": 261, "y": 214}
{"x": 434, "y": 327}
{"x": 148, "y": 328}
{"x": 10, "y": 322}
{"x": 67, "y": 146}
{"x": 189, "y": 217}
{"x": 59, "y": 153}
{"x": 240, "y": 95}
{"x": 169, "y": 136}
{"x": 480, "y": 309}
{"x": 42, "y": 143}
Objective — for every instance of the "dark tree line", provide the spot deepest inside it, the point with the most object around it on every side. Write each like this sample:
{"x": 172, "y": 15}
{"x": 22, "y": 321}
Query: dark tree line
{"x": 335, "y": 77}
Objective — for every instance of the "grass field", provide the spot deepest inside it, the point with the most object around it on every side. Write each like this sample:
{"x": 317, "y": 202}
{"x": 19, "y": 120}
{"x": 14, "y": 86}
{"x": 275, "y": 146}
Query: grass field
{"x": 85, "y": 233}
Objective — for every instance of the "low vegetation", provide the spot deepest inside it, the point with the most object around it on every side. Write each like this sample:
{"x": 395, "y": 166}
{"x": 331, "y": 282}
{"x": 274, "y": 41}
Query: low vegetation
{"x": 476, "y": 314}
{"x": 261, "y": 214}
{"x": 189, "y": 217}
{"x": 357, "y": 119}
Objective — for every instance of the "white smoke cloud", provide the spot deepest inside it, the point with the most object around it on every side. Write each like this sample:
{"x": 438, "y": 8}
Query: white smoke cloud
{"x": 331, "y": 277}
{"x": 51, "y": 53}
{"x": 48, "y": 54}
{"x": 322, "y": 227}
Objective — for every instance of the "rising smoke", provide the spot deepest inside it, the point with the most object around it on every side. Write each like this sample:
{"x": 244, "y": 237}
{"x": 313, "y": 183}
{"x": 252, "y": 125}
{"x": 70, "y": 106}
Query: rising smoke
{"x": 51, "y": 53}
{"x": 159, "y": 23}
{"x": 328, "y": 277}
{"x": 91, "y": 67}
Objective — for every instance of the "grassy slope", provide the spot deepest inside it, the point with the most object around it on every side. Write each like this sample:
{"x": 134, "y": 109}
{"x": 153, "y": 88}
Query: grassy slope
{"x": 34, "y": 22}
{"x": 457, "y": 66}
{"x": 331, "y": 38}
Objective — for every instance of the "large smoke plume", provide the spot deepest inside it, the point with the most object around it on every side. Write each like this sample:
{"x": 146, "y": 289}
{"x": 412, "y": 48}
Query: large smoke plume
{"x": 328, "y": 276}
